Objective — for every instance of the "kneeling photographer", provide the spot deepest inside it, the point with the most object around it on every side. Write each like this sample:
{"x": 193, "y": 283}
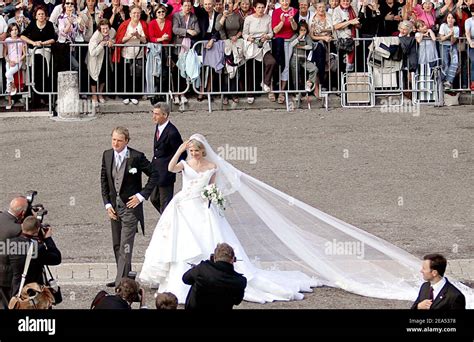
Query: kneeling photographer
{"x": 215, "y": 286}
{"x": 45, "y": 252}
{"x": 127, "y": 292}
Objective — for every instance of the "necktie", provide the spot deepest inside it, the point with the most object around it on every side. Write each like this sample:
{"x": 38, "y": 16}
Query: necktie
{"x": 118, "y": 161}
{"x": 431, "y": 293}
{"x": 157, "y": 134}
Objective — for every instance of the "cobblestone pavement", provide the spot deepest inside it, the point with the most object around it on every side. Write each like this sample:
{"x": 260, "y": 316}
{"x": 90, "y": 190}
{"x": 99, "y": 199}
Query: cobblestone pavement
{"x": 405, "y": 178}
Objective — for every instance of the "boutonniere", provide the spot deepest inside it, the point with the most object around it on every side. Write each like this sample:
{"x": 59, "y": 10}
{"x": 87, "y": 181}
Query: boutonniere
{"x": 132, "y": 171}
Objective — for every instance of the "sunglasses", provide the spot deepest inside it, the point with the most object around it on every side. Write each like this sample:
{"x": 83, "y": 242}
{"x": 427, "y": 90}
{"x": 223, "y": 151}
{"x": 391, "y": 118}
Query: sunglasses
{"x": 159, "y": 12}
{"x": 69, "y": 3}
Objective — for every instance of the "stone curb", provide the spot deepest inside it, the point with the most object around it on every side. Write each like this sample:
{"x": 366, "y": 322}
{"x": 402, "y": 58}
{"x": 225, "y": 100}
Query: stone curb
{"x": 101, "y": 273}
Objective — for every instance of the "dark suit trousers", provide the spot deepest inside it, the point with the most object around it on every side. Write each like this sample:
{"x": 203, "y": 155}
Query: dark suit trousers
{"x": 5, "y": 296}
{"x": 161, "y": 196}
{"x": 123, "y": 236}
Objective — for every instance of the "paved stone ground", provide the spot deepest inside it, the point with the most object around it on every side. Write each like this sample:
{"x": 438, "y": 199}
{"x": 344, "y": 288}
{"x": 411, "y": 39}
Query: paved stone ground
{"x": 405, "y": 178}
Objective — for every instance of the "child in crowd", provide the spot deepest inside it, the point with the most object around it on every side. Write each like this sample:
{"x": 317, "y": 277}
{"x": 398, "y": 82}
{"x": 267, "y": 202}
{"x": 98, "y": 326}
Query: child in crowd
{"x": 15, "y": 54}
{"x": 426, "y": 38}
{"x": 301, "y": 45}
{"x": 449, "y": 34}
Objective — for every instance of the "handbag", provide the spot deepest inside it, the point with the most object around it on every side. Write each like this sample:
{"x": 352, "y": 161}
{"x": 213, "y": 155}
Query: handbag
{"x": 52, "y": 285}
{"x": 345, "y": 45}
{"x": 32, "y": 295}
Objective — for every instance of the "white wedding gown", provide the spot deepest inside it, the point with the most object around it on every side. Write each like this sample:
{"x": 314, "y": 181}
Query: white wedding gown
{"x": 188, "y": 232}
{"x": 284, "y": 245}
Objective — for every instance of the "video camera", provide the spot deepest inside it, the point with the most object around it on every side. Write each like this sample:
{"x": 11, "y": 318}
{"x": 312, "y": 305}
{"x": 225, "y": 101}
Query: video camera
{"x": 37, "y": 210}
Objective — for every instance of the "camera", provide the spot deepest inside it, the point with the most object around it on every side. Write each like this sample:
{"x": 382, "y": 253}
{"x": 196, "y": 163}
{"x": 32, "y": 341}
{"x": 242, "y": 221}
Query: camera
{"x": 259, "y": 42}
{"x": 226, "y": 7}
{"x": 37, "y": 210}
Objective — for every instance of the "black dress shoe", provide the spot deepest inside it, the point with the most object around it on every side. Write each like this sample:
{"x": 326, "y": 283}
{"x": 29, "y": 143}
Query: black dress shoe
{"x": 111, "y": 284}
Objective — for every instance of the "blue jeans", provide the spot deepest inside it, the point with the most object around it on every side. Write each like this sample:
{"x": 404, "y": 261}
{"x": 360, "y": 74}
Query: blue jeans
{"x": 450, "y": 62}
{"x": 471, "y": 58}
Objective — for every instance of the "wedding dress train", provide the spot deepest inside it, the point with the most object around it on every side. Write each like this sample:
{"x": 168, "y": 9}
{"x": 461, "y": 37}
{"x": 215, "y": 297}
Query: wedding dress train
{"x": 283, "y": 245}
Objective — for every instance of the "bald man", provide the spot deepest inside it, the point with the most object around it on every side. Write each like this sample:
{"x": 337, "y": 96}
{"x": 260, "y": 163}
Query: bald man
{"x": 10, "y": 227}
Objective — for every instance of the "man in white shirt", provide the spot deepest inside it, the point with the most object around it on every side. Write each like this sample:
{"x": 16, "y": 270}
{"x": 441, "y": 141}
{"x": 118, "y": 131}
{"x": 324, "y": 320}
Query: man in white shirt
{"x": 437, "y": 293}
{"x": 123, "y": 194}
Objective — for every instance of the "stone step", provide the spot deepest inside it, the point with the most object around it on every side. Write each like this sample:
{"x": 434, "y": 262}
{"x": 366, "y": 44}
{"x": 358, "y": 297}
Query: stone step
{"x": 101, "y": 273}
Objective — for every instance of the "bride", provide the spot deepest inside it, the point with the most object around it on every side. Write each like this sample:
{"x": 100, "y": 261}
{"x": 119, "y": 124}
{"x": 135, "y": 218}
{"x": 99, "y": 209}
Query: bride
{"x": 283, "y": 246}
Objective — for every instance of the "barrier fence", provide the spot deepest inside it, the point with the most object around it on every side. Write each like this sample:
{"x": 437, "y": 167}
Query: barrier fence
{"x": 379, "y": 69}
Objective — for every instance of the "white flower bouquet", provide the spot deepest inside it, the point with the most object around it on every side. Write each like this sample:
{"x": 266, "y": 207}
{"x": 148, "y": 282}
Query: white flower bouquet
{"x": 213, "y": 195}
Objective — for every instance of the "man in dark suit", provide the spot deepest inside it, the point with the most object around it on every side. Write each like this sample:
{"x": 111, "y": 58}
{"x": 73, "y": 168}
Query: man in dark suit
{"x": 437, "y": 293}
{"x": 165, "y": 144}
{"x": 10, "y": 227}
{"x": 45, "y": 252}
{"x": 122, "y": 193}
{"x": 207, "y": 17}
{"x": 214, "y": 283}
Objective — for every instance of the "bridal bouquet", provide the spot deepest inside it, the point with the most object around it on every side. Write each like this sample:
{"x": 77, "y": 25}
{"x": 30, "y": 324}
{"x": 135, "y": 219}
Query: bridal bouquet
{"x": 213, "y": 195}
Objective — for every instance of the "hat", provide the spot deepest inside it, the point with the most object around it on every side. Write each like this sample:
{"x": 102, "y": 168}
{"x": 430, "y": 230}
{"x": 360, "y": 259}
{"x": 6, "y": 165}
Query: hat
{"x": 423, "y": 1}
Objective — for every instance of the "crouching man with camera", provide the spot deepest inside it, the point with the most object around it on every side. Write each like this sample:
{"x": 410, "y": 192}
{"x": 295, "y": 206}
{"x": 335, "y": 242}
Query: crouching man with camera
{"x": 44, "y": 249}
{"x": 126, "y": 293}
{"x": 214, "y": 283}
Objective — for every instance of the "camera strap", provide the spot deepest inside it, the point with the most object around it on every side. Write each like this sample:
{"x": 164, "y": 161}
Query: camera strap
{"x": 25, "y": 269}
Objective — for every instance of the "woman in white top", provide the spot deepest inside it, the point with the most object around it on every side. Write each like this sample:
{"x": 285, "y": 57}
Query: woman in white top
{"x": 257, "y": 34}
{"x": 70, "y": 26}
{"x": 133, "y": 32}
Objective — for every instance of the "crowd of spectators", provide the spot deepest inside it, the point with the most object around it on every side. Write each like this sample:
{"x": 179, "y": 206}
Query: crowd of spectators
{"x": 122, "y": 43}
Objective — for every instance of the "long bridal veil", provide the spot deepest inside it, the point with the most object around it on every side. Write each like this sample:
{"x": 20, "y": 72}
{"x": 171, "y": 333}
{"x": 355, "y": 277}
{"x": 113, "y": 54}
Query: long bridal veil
{"x": 279, "y": 232}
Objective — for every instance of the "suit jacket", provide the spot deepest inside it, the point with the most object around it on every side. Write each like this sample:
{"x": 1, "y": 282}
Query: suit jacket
{"x": 215, "y": 286}
{"x": 449, "y": 298}
{"x": 47, "y": 254}
{"x": 9, "y": 228}
{"x": 179, "y": 27}
{"x": 163, "y": 150}
{"x": 203, "y": 21}
{"x": 132, "y": 182}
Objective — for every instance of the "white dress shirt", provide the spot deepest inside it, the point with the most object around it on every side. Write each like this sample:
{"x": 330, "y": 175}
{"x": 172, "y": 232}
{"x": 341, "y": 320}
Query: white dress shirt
{"x": 437, "y": 287}
{"x": 123, "y": 156}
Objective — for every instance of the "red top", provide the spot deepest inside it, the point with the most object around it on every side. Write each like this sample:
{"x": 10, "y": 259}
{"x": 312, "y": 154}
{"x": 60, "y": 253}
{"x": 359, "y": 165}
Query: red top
{"x": 286, "y": 32}
{"x": 119, "y": 38}
{"x": 155, "y": 32}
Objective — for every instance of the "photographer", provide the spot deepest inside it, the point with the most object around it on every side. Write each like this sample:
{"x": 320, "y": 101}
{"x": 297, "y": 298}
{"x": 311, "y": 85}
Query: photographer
{"x": 215, "y": 284}
{"x": 45, "y": 252}
{"x": 10, "y": 227}
{"x": 127, "y": 292}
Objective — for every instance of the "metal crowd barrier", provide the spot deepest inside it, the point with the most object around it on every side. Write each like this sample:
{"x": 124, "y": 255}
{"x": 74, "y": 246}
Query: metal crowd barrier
{"x": 370, "y": 79}
{"x": 373, "y": 77}
{"x": 248, "y": 79}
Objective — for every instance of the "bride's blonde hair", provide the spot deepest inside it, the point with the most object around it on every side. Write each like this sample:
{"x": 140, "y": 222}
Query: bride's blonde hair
{"x": 199, "y": 145}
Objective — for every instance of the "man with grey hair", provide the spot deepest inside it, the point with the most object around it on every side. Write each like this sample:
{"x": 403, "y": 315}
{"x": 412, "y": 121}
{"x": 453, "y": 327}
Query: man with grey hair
{"x": 165, "y": 144}
{"x": 10, "y": 227}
